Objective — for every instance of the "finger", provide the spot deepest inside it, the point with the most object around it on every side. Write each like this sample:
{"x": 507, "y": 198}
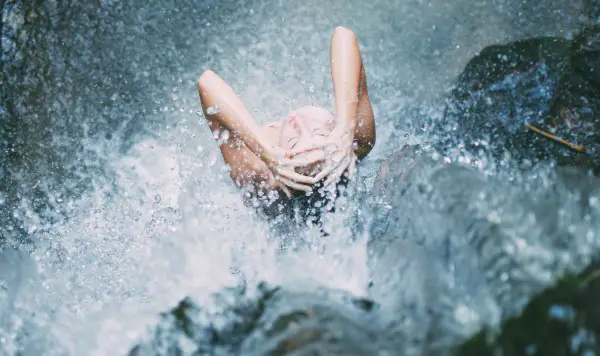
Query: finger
{"x": 352, "y": 168}
{"x": 297, "y": 151}
{"x": 333, "y": 163}
{"x": 309, "y": 158}
{"x": 285, "y": 189}
{"x": 336, "y": 174}
{"x": 325, "y": 172}
{"x": 290, "y": 174}
{"x": 295, "y": 185}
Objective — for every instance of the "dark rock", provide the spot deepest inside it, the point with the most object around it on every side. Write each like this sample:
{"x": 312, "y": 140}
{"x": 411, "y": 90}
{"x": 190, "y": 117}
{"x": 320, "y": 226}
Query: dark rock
{"x": 276, "y": 322}
{"x": 549, "y": 83}
{"x": 592, "y": 10}
{"x": 561, "y": 320}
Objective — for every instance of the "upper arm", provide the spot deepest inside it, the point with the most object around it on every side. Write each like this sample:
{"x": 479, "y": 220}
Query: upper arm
{"x": 365, "y": 128}
{"x": 245, "y": 168}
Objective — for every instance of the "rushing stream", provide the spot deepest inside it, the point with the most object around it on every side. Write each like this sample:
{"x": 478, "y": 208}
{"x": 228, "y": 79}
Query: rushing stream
{"x": 114, "y": 201}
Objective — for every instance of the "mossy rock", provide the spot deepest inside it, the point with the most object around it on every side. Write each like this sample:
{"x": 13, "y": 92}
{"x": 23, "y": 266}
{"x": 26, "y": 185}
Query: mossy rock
{"x": 275, "y": 322}
{"x": 562, "y": 320}
{"x": 551, "y": 84}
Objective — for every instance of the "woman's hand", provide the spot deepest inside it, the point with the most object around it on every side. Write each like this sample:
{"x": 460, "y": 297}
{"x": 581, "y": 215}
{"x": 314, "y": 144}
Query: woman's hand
{"x": 338, "y": 153}
{"x": 283, "y": 169}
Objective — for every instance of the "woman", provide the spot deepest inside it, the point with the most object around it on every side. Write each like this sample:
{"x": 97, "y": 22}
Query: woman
{"x": 296, "y": 152}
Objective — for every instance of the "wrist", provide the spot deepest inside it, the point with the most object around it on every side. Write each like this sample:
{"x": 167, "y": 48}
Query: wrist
{"x": 269, "y": 155}
{"x": 344, "y": 130}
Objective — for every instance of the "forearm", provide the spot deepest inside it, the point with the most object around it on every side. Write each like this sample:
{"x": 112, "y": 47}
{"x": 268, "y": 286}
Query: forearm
{"x": 345, "y": 73}
{"x": 248, "y": 171}
{"x": 231, "y": 113}
{"x": 245, "y": 168}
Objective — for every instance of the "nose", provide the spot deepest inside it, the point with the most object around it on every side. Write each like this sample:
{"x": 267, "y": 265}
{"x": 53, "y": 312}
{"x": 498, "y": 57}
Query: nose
{"x": 300, "y": 123}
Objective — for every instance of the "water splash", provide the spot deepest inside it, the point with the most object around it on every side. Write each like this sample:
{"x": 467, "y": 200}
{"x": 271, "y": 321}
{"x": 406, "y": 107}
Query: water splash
{"x": 97, "y": 138}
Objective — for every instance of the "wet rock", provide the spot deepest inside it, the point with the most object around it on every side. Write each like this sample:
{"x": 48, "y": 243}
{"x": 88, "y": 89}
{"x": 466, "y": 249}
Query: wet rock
{"x": 276, "y": 322}
{"x": 592, "y": 10}
{"x": 424, "y": 273}
{"x": 561, "y": 320}
{"x": 549, "y": 83}
{"x": 453, "y": 250}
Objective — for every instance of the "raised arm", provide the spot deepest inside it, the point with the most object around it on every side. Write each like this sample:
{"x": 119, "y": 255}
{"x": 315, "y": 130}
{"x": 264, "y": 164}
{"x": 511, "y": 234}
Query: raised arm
{"x": 228, "y": 111}
{"x": 353, "y": 136}
{"x": 253, "y": 159}
{"x": 354, "y": 114}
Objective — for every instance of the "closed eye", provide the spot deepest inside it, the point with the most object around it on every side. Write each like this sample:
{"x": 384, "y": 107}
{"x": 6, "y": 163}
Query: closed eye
{"x": 295, "y": 143}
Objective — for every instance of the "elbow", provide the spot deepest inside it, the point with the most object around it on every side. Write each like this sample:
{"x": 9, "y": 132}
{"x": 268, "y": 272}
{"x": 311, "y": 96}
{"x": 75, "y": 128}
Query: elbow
{"x": 343, "y": 31}
{"x": 205, "y": 78}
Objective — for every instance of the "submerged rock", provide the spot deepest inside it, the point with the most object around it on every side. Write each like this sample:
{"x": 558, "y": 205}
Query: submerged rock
{"x": 453, "y": 250}
{"x": 276, "y": 322}
{"x": 508, "y": 91}
{"x": 561, "y": 320}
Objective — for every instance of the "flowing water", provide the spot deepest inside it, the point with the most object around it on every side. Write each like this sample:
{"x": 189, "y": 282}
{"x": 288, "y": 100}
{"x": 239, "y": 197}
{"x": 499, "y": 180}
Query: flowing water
{"x": 114, "y": 201}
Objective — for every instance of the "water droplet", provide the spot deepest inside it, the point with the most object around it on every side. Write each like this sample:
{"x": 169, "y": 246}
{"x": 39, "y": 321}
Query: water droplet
{"x": 157, "y": 198}
{"x": 526, "y": 164}
{"x": 494, "y": 217}
{"x": 200, "y": 113}
{"x": 590, "y": 236}
{"x": 2, "y": 198}
{"x": 311, "y": 88}
{"x": 212, "y": 110}
{"x": 225, "y": 136}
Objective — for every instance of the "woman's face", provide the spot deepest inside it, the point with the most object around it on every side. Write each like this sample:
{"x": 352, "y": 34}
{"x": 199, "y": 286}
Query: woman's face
{"x": 304, "y": 128}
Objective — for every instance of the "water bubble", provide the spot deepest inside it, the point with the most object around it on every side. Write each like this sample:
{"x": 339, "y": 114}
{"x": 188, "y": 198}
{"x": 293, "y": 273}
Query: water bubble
{"x": 212, "y": 110}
